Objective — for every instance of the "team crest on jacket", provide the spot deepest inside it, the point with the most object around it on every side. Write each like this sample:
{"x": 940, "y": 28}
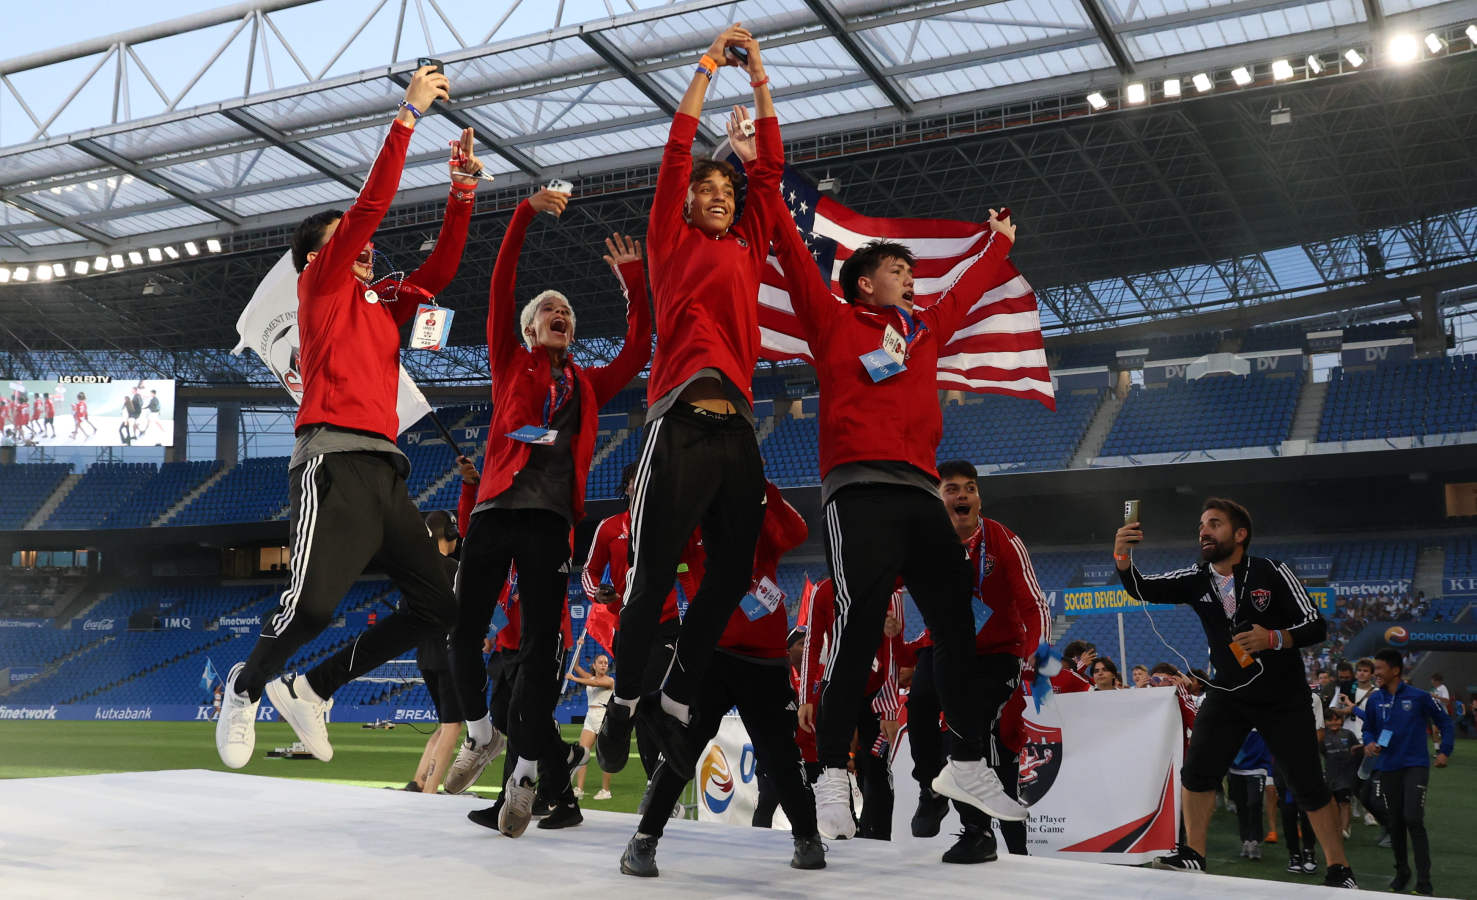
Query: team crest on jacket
{"x": 1261, "y": 599}
{"x": 988, "y": 565}
{"x": 1406, "y": 705}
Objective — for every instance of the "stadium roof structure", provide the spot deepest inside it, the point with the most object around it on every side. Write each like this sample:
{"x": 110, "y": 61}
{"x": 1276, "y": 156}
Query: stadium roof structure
{"x": 1312, "y": 154}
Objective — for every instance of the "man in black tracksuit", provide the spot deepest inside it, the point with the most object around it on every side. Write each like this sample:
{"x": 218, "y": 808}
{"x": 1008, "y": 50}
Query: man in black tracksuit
{"x": 1256, "y": 615}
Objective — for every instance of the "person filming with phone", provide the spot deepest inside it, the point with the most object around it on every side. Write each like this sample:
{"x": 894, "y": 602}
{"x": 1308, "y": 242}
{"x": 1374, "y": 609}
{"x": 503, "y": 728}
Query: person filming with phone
{"x": 1256, "y": 617}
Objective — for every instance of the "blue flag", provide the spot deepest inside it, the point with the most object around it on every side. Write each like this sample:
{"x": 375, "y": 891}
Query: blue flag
{"x": 209, "y": 677}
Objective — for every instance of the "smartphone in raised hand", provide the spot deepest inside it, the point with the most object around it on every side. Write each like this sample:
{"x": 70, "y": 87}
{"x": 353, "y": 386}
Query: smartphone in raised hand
{"x": 1131, "y": 512}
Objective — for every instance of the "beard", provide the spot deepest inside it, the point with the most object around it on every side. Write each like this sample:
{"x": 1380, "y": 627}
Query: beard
{"x": 1220, "y": 551}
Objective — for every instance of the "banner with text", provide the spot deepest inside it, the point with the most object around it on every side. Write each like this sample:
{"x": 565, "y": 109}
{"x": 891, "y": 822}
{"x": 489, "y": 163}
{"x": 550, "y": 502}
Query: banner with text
{"x": 1087, "y": 600}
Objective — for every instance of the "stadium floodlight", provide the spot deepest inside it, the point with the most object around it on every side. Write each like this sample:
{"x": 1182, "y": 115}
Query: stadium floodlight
{"x": 1472, "y": 34}
{"x": 117, "y": 259}
{"x": 1171, "y": 87}
{"x": 1241, "y": 75}
{"x": 1202, "y": 82}
{"x": 1355, "y": 58}
{"x": 58, "y": 270}
{"x": 1434, "y": 43}
{"x": 21, "y": 273}
{"x": 192, "y": 248}
{"x": 1136, "y": 93}
{"x": 4, "y": 275}
{"x": 1281, "y": 70}
{"x": 1096, "y": 100}
{"x": 212, "y": 245}
{"x": 43, "y": 273}
{"x": 80, "y": 267}
{"x": 135, "y": 257}
{"x": 155, "y": 255}
{"x": 100, "y": 264}
{"x": 1315, "y": 65}
{"x": 1404, "y": 49}
{"x": 171, "y": 253}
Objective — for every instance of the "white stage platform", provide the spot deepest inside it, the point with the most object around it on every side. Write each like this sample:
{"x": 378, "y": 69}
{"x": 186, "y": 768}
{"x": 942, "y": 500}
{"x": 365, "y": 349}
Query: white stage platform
{"x": 194, "y": 834}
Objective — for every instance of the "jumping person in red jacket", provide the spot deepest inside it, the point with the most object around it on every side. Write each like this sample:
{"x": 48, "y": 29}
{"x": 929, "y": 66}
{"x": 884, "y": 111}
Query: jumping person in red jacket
{"x": 79, "y": 416}
{"x": 347, "y": 494}
{"x": 1011, "y": 616}
{"x": 876, "y": 358}
{"x": 753, "y": 675}
{"x": 532, "y": 492}
{"x": 699, "y": 463}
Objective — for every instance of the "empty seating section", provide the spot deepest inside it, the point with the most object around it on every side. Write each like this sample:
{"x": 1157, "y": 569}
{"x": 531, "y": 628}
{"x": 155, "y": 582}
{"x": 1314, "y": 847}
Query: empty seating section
{"x": 428, "y": 462}
{"x": 1010, "y": 431}
{"x": 1218, "y": 411}
{"x": 254, "y": 491}
{"x": 104, "y": 488}
{"x": 1397, "y": 399}
{"x": 170, "y": 485}
{"x": 25, "y": 487}
{"x": 604, "y": 481}
{"x": 199, "y": 603}
{"x": 790, "y": 455}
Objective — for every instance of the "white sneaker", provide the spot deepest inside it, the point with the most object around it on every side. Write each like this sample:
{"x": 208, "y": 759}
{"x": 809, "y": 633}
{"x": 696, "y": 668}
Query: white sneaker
{"x": 471, "y": 760}
{"x": 308, "y": 717}
{"x": 1369, "y": 819}
{"x": 833, "y": 805}
{"x": 579, "y": 793}
{"x": 512, "y": 819}
{"x": 235, "y": 727}
{"x": 975, "y": 783}
{"x": 602, "y": 794}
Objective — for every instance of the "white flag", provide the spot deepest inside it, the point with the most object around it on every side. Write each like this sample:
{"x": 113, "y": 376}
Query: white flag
{"x": 268, "y": 325}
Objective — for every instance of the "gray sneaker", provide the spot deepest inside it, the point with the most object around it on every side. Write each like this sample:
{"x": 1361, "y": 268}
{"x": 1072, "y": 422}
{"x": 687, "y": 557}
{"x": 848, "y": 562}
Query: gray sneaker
{"x": 517, "y": 808}
{"x": 470, "y": 760}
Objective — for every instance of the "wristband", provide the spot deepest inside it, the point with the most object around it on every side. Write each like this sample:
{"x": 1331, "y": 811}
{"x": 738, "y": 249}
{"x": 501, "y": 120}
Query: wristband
{"x": 464, "y": 195}
{"x": 760, "y": 83}
{"x": 708, "y": 66}
{"x": 410, "y": 108}
{"x": 1121, "y": 558}
{"x": 1278, "y": 633}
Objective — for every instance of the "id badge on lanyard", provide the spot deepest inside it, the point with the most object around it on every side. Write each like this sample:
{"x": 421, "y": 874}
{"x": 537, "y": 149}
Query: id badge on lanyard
{"x": 762, "y": 599}
{"x": 891, "y": 358}
{"x": 559, "y": 393}
{"x": 432, "y": 328}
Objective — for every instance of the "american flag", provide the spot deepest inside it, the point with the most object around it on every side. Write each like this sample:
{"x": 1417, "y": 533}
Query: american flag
{"x": 998, "y": 347}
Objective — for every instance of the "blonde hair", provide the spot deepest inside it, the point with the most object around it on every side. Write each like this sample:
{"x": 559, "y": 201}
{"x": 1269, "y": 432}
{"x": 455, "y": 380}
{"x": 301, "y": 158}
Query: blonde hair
{"x": 525, "y": 318}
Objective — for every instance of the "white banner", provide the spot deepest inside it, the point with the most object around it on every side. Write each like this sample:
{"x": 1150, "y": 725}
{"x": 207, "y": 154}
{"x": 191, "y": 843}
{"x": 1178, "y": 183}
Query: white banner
{"x": 727, "y": 790}
{"x": 268, "y": 325}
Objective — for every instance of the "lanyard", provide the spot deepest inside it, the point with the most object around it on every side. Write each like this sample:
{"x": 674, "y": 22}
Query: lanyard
{"x": 560, "y": 390}
{"x": 911, "y": 326}
{"x": 979, "y": 560}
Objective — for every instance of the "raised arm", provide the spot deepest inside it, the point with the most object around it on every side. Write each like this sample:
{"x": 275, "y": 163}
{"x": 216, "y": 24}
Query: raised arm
{"x": 503, "y": 339}
{"x": 981, "y": 273}
{"x": 368, "y": 209}
{"x": 623, "y": 255}
{"x": 440, "y": 267}
{"x": 1179, "y": 586}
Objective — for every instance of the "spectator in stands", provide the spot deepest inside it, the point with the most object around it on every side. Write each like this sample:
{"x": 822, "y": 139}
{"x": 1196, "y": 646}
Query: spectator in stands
{"x": 598, "y": 687}
{"x": 532, "y": 493}
{"x": 435, "y": 668}
{"x": 1395, "y": 724}
{"x": 1078, "y": 655}
{"x": 1140, "y": 676}
{"x": 1256, "y": 615}
{"x": 348, "y": 498}
{"x": 1341, "y": 757}
{"x": 1105, "y": 674}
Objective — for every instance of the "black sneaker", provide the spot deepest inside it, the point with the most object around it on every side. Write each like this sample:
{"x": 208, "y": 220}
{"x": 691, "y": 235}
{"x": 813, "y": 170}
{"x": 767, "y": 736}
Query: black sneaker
{"x": 541, "y": 807}
{"x": 931, "y": 811}
{"x": 613, "y": 743}
{"x": 565, "y": 815}
{"x": 1401, "y": 881}
{"x": 487, "y": 818}
{"x": 1295, "y": 864}
{"x": 975, "y": 845}
{"x": 672, "y": 737}
{"x": 1183, "y": 859}
{"x": 1310, "y": 863}
{"x": 639, "y": 859}
{"x": 1424, "y": 889}
{"x": 810, "y": 853}
{"x": 412, "y": 787}
{"x": 1340, "y": 877}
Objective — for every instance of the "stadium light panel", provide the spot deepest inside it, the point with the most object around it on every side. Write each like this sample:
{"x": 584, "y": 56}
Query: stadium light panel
{"x": 1171, "y": 87}
{"x": 1404, "y": 49}
{"x": 21, "y": 273}
{"x": 1136, "y": 93}
{"x": 155, "y": 255}
{"x": 171, "y": 253}
{"x": 1096, "y": 100}
{"x": 4, "y": 275}
{"x": 117, "y": 260}
{"x": 43, "y": 273}
{"x": 1472, "y": 34}
{"x": 1202, "y": 82}
{"x": 1281, "y": 70}
{"x": 80, "y": 267}
{"x": 1315, "y": 65}
{"x": 1355, "y": 58}
{"x": 212, "y": 245}
{"x": 1241, "y": 75}
{"x": 58, "y": 270}
{"x": 1434, "y": 43}
{"x": 100, "y": 264}
{"x": 192, "y": 248}
{"x": 135, "y": 257}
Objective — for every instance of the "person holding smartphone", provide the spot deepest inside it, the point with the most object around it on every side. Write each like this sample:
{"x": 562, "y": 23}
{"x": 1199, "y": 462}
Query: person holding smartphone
{"x": 1256, "y": 617}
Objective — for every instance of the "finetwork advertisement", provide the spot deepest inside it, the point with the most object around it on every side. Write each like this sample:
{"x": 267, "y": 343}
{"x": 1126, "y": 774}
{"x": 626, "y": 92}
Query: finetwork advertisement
{"x": 88, "y": 411}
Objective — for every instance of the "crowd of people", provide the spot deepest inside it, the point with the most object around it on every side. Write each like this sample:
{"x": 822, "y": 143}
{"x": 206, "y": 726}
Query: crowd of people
{"x": 821, "y": 705}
